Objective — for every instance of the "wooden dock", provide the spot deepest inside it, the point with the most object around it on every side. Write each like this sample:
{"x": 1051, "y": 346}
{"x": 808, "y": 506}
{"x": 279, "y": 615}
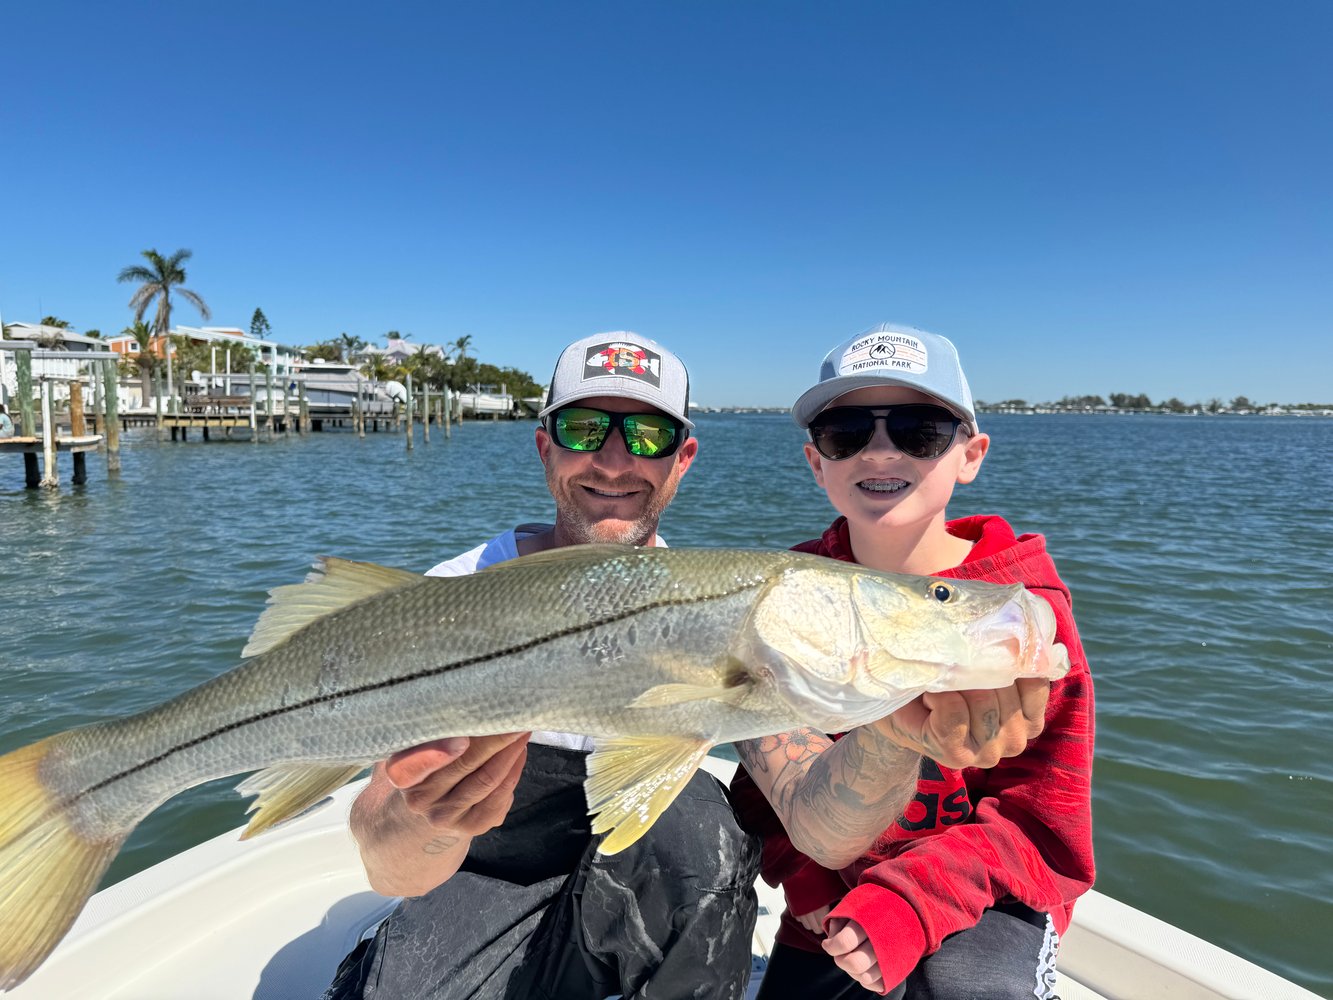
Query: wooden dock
{"x": 264, "y": 411}
{"x": 30, "y": 447}
{"x": 57, "y": 368}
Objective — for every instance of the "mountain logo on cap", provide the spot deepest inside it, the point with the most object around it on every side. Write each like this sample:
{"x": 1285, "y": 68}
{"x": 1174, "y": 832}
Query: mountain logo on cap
{"x": 623, "y": 359}
{"x": 880, "y": 350}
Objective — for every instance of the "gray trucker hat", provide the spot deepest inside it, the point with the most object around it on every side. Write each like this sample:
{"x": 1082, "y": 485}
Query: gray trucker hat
{"x": 890, "y": 355}
{"x": 620, "y": 364}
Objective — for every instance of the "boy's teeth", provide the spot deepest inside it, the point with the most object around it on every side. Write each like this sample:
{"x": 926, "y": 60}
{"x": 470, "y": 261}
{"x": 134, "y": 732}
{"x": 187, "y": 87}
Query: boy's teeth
{"x": 884, "y": 486}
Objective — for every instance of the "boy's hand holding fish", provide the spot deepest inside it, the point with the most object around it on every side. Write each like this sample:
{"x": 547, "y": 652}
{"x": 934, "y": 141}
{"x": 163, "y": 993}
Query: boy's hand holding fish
{"x": 971, "y": 728}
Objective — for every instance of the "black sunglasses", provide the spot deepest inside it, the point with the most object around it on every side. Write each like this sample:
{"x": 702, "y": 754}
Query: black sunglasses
{"x": 916, "y": 429}
{"x": 647, "y": 435}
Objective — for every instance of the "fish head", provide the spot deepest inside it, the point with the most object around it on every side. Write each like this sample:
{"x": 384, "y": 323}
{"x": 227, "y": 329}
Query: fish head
{"x": 954, "y": 635}
{"x": 850, "y": 645}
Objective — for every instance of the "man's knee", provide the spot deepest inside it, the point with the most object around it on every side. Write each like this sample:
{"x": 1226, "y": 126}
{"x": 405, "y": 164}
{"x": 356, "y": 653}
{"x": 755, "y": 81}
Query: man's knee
{"x": 700, "y": 838}
{"x": 697, "y": 845}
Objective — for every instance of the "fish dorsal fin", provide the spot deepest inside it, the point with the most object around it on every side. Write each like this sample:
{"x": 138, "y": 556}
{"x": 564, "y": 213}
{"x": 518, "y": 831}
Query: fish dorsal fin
{"x": 632, "y": 781}
{"x": 286, "y": 790}
{"x": 565, "y": 554}
{"x": 334, "y": 584}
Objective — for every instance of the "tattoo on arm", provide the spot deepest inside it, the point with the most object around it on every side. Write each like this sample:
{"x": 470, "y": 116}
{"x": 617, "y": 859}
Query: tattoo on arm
{"x": 844, "y": 799}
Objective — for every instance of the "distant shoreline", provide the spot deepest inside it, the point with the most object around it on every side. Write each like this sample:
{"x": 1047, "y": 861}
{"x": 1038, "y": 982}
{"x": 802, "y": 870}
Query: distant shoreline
{"x": 1288, "y": 410}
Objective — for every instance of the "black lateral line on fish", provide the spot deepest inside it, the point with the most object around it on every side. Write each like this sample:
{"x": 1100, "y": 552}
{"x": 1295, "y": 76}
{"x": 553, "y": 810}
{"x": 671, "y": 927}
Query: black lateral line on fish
{"x": 393, "y": 681}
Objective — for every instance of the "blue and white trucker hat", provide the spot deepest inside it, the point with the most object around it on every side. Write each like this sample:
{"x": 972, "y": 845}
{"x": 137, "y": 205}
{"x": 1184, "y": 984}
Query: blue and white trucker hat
{"x": 620, "y": 364}
{"x": 889, "y": 354}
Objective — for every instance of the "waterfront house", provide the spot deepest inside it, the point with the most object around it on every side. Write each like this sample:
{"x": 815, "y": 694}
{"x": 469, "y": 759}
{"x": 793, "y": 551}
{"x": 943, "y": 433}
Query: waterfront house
{"x": 57, "y": 354}
{"x": 280, "y": 358}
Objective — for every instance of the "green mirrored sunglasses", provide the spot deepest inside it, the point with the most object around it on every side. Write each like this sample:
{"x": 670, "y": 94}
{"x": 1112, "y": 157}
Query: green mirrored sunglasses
{"x": 647, "y": 435}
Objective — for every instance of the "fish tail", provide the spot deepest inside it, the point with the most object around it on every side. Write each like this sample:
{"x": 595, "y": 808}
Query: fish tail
{"x": 47, "y": 868}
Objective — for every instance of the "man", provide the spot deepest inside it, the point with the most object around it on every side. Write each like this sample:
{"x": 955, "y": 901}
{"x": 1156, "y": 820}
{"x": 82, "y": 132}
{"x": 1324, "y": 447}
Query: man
{"x": 505, "y": 895}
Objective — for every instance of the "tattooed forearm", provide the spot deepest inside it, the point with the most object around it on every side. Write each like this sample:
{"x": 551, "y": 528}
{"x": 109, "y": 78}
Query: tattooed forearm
{"x": 833, "y": 798}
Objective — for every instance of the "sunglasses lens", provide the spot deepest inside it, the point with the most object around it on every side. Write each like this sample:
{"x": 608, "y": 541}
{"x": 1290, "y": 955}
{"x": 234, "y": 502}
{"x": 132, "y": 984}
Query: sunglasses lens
{"x": 579, "y": 429}
{"x": 648, "y": 435}
{"x": 922, "y": 431}
{"x": 841, "y": 432}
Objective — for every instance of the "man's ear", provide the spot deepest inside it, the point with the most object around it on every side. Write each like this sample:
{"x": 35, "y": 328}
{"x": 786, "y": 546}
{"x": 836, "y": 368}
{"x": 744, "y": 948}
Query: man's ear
{"x": 543, "y": 442}
{"x": 973, "y": 454}
{"x": 816, "y": 461}
{"x": 686, "y": 454}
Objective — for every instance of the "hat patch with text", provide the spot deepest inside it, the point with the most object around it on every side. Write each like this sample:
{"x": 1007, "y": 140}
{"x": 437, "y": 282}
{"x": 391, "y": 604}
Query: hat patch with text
{"x": 885, "y": 350}
{"x": 624, "y": 360}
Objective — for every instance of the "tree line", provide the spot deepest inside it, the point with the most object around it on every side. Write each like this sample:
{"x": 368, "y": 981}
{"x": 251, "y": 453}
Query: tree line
{"x": 1125, "y": 401}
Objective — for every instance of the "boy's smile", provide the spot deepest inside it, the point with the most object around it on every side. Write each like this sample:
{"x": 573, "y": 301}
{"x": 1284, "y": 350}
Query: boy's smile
{"x": 884, "y": 485}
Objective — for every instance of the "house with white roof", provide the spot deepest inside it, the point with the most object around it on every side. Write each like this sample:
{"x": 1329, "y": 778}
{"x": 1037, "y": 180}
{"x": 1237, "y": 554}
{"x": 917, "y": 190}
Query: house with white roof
{"x": 280, "y": 358}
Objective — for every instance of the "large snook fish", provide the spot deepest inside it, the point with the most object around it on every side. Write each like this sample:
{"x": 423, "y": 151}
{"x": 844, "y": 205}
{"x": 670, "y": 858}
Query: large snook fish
{"x": 659, "y": 654}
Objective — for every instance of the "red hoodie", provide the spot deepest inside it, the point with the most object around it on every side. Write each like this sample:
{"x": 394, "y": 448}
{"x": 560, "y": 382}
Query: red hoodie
{"x": 1021, "y": 830}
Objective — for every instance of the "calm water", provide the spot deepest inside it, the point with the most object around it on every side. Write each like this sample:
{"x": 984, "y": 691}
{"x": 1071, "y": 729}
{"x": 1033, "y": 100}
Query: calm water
{"x": 1197, "y": 550}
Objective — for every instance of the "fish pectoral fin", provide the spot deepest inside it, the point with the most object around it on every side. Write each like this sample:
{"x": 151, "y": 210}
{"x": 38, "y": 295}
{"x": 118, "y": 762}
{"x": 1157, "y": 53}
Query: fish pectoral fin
{"x": 333, "y": 585}
{"x": 632, "y": 781}
{"x": 674, "y": 694}
{"x": 286, "y": 790}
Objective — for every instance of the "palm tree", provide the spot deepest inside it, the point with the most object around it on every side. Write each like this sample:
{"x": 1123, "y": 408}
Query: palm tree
{"x": 349, "y": 346}
{"x": 461, "y": 345}
{"x": 146, "y": 359}
{"x": 157, "y": 282}
{"x": 377, "y": 369}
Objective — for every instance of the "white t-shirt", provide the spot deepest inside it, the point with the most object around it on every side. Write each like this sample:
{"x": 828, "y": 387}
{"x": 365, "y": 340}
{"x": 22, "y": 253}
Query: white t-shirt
{"x": 499, "y": 549}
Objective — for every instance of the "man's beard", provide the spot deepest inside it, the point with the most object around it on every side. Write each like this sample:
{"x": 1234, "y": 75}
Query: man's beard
{"x": 586, "y": 530}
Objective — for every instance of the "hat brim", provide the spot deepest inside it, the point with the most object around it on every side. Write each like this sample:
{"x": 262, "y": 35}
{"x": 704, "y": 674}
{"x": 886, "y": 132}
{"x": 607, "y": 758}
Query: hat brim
{"x": 620, "y": 388}
{"x": 817, "y": 397}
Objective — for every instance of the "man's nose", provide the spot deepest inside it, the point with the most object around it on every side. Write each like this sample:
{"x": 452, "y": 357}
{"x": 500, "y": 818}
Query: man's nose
{"x": 614, "y": 452}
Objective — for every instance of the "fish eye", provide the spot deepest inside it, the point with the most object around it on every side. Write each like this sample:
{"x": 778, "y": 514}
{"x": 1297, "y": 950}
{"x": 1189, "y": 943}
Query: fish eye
{"x": 941, "y": 592}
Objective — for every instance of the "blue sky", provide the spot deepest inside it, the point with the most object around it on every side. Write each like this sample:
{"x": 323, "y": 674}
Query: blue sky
{"x": 1087, "y": 198}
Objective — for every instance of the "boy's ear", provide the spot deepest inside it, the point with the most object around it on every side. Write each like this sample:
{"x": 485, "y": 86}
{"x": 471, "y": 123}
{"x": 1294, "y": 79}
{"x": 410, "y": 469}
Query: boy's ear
{"x": 816, "y": 461}
{"x": 973, "y": 454}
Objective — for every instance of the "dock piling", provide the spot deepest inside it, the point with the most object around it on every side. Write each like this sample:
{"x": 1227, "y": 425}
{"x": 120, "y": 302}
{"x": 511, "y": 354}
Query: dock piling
{"x": 254, "y": 425}
{"x": 23, "y": 364}
{"x": 407, "y": 412}
{"x": 78, "y": 427}
{"x": 268, "y": 406}
{"x": 50, "y": 471}
{"x": 112, "y": 418}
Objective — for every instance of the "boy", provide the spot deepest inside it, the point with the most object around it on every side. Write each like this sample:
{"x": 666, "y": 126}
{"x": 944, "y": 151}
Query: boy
{"x": 967, "y": 892}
